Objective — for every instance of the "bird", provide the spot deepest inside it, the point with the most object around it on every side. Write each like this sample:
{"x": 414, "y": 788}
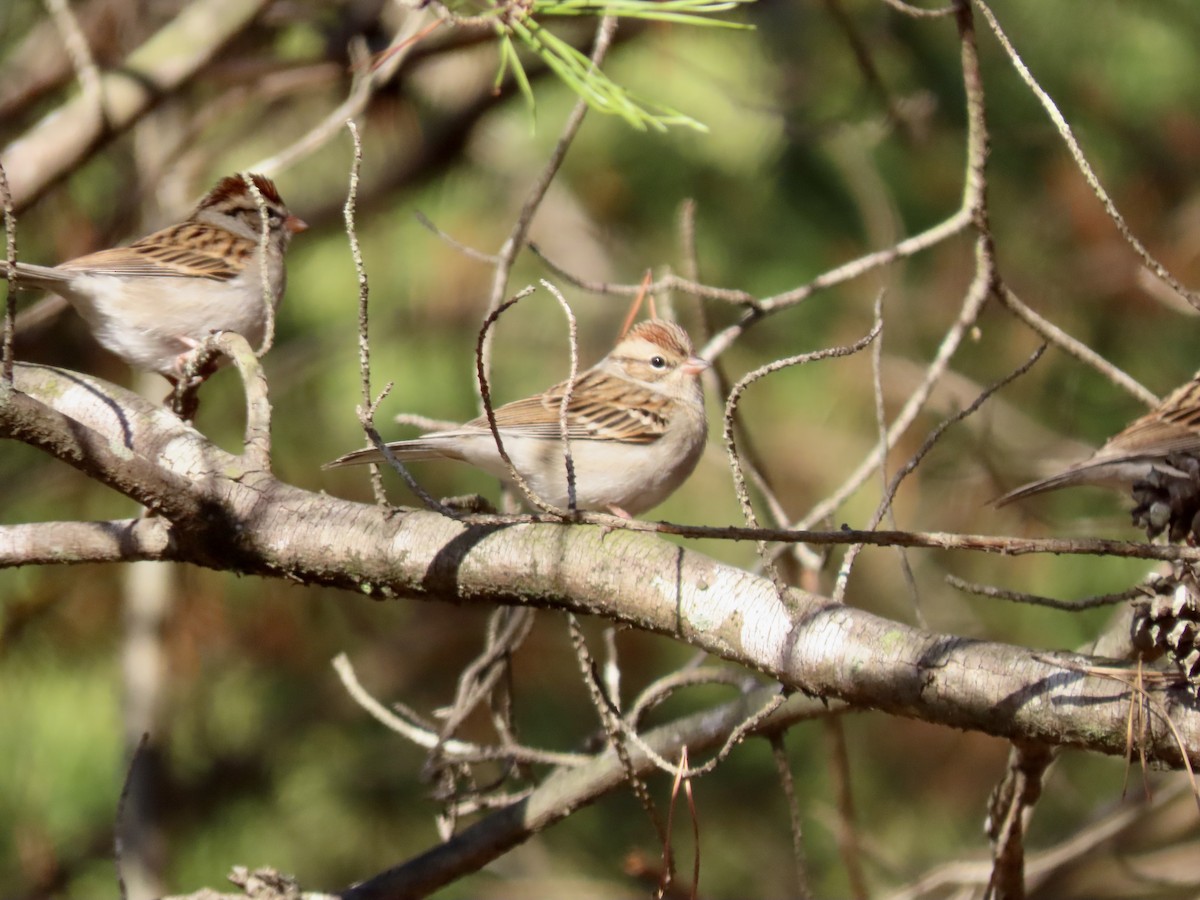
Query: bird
{"x": 159, "y": 297}
{"x": 635, "y": 420}
{"x": 1157, "y": 456}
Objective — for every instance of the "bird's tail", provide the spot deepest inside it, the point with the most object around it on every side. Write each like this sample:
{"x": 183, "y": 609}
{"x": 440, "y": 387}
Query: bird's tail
{"x": 405, "y": 451}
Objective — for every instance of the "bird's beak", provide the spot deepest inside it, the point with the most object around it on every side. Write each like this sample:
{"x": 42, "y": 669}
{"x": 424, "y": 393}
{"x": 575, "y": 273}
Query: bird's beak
{"x": 694, "y": 365}
{"x": 295, "y": 224}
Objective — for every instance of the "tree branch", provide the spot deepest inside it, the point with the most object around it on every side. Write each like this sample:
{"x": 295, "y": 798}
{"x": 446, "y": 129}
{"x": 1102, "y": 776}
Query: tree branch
{"x": 230, "y": 517}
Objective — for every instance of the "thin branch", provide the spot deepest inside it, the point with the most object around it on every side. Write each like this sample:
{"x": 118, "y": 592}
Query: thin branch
{"x": 918, "y": 12}
{"x": 10, "y": 276}
{"x": 667, "y": 282}
{"x": 976, "y": 296}
{"x": 453, "y": 748}
{"x": 1081, "y": 162}
{"x": 616, "y": 738}
{"x": 122, "y": 801}
{"x": 367, "y": 408}
{"x": 983, "y": 590}
{"x": 257, "y": 440}
{"x": 469, "y": 252}
{"x": 365, "y": 86}
{"x": 788, "y": 783}
{"x": 1052, "y": 334}
{"x": 507, "y": 630}
{"x": 847, "y": 825}
{"x": 78, "y": 50}
{"x": 1008, "y": 814}
{"x": 663, "y": 688}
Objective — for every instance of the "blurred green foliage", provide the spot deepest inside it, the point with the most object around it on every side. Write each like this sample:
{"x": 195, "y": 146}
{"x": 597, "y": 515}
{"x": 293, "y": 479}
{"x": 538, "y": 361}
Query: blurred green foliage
{"x": 265, "y": 758}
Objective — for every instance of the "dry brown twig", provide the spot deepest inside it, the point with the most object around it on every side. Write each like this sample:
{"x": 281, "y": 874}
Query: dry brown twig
{"x": 10, "y": 297}
{"x": 611, "y": 719}
{"x": 788, "y": 784}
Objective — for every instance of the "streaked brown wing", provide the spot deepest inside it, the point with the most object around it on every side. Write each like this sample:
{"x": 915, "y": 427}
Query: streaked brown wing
{"x": 631, "y": 415}
{"x": 187, "y": 250}
{"x": 1172, "y": 428}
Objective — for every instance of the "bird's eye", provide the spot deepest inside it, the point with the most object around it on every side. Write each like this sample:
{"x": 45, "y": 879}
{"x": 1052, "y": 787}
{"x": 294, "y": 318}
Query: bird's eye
{"x": 657, "y": 362}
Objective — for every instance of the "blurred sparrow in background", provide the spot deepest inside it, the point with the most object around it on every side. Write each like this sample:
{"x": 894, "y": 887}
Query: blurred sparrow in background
{"x": 635, "y": 420}
{"x": 153, "y": 301}
{"x": 1157, "y": 457}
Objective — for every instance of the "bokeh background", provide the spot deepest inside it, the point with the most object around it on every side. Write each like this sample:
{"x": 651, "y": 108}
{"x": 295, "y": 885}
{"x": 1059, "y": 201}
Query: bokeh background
{"x": 810, "y": 159}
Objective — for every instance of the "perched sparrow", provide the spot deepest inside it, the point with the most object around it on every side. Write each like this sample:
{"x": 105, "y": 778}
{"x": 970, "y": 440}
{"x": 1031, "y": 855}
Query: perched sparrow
{"x": 1157, "y": 456}
{"x": 150, "y": 302}
{"x": 636, "y": 424}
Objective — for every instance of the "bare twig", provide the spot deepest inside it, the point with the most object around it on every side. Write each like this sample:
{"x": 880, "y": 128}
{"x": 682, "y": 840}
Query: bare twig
{"x": 201, "y": 361}
{"x": 1085, "y": 168}
{"x": 10, "y": 276}
{"x": 257, "y": 441}
{"x": 365, "y": 85}
{"x": 118, "y": 831}
{"x": 364, "y": 294}
{"x": 1052, "y": 334}
{"x": 469, "y": 252}
{"x": 664, "y": 884}
{"x": 788, "y": 783}
{"x": 847, "y": 826}
{"x": 889, "y": 494}
{"x": 1008, "y": 811}
{"x": 664, "y": 687}
{"x": 566, "y": 790}
{"x": 78, "y": 51}
{"x": 843, "y": 576}
{"x": 616, "y": 736}
{"x": 667, "y": 282}
{"x": 507, "y": 629}
{"x": 983, "y": 590}
{"x": 918, "y": 12}
{"x": 453, "y": 748}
